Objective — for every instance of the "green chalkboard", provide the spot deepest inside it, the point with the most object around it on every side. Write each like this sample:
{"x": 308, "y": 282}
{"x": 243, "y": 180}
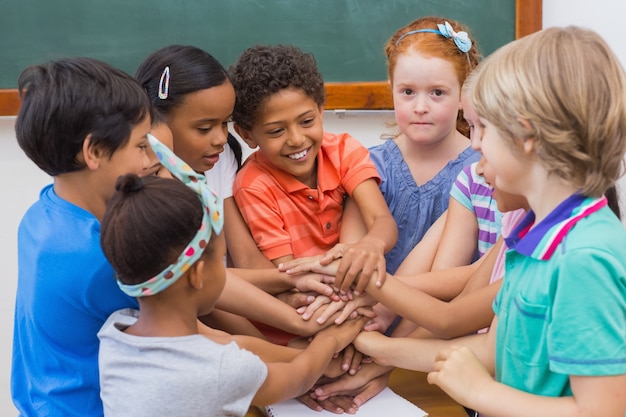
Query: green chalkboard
{"x": 346, "y": 36}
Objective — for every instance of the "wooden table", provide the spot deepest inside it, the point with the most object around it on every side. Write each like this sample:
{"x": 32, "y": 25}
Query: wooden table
{"x": 414, "y": 387}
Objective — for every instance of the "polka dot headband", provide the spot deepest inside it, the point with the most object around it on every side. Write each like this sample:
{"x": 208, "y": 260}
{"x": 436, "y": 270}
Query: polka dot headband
{"x": 212, "y": 221}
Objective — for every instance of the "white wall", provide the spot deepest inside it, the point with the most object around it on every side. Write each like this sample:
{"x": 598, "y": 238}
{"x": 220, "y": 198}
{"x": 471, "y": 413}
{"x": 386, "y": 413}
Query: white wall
{"x": 21, "y": 180}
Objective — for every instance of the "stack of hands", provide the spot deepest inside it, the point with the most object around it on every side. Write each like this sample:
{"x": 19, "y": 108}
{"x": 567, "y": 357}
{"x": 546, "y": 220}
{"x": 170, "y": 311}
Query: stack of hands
{"x": 332, "y": 287}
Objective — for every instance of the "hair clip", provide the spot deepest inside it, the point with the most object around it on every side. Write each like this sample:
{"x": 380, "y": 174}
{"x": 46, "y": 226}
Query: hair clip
{"x": 164, "y": 84}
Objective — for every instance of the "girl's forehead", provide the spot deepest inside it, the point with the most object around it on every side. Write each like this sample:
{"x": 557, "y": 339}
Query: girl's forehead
{"x": 416, "y": 67}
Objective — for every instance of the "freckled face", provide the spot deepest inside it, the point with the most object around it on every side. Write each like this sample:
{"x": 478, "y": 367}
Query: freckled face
{"x": 426, "y": 97}
{"x": 289, "y": 133}
{"x": 200, "y": 125}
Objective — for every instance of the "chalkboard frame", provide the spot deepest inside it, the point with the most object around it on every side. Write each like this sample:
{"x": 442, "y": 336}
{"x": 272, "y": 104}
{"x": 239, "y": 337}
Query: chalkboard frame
{"x": 372, "y": 95}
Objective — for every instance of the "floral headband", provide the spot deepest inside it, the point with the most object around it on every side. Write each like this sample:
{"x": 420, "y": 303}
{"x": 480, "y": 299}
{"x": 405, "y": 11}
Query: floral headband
{"x": 461, "y": 39}
{"x": 212, "y": 221}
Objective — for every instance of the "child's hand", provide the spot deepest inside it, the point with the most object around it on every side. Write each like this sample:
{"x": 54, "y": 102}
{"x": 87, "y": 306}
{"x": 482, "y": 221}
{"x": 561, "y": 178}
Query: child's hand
{"x": 297, "y": 299}
{"x": 314, "y": 282}
{"x": 343, "y": 334}
{"x": 372, "y": 344}
{"x": 348, "y": 361}
{"x": 326, "y": 273}
{"x": 460, "y": 374}
{"x": 383, "y": 318}
{"x": 332, "y": 254}
{"x": 320, "y": 301}
{"x": 333, "y": 370}
{"x": 300, "y": 264}
{"x": 312, "y": 264}
{"x": 347, "y": 309}
{"x": 339, "y": 404}
{"x": 352, "y": 359}
{"x": 309, "y": 402}
{"x": 368, "y": 382}
{"x": 357, "y": 306}
{"x": 359, "y": 261}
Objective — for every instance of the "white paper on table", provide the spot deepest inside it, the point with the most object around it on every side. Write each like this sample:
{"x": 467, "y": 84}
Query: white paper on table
{"x": 386, "y": 402}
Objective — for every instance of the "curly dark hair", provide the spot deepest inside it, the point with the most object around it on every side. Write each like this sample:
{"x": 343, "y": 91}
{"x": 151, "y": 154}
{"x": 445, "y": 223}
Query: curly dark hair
{"x": 264, "y": 70}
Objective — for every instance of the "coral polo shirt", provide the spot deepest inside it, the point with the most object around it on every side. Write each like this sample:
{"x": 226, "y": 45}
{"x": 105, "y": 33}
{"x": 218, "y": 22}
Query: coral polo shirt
{"x": 285, "y": 216}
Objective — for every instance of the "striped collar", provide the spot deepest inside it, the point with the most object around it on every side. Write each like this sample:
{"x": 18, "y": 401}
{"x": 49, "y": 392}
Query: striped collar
{"x": 541, "y": 241}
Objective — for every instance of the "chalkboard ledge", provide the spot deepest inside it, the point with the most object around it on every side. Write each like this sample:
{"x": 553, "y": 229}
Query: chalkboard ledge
{"x": 9, "y": 102}
{"x": 371, "y": 95}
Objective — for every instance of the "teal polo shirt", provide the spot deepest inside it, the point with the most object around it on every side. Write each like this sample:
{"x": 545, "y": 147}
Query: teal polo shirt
{"x": 562, "y": 306}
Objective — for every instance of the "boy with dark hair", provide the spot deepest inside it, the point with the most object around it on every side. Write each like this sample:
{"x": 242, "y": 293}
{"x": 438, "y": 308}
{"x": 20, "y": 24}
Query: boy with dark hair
{"x": 84, "y": 123}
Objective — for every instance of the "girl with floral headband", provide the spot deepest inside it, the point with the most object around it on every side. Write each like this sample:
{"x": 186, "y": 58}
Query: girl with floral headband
{"x": 163, "y": 238}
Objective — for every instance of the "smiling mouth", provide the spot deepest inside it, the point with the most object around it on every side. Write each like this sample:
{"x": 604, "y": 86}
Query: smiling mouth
{"x": 299, "y": 155}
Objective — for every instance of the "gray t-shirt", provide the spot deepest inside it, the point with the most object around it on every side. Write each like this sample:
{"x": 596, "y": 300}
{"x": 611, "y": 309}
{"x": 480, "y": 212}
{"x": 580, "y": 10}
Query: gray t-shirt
{"x": 173, "y": 376}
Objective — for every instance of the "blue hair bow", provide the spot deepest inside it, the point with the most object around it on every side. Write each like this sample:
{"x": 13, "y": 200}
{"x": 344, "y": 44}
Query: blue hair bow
{"x": 461, "y": 39}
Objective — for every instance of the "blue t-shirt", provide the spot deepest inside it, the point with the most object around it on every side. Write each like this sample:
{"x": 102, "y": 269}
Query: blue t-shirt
{"x": 414, "y": 207}
{"x": 66, "y": 291}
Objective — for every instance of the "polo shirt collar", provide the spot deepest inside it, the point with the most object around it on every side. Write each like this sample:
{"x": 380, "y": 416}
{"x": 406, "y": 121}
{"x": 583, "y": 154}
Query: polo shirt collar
{"x": 541, "y": 241}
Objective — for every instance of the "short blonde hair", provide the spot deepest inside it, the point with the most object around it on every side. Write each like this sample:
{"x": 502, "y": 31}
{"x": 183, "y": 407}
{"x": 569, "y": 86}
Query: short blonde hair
{"x": 571, "y": 89}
